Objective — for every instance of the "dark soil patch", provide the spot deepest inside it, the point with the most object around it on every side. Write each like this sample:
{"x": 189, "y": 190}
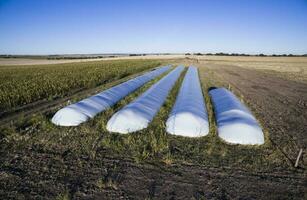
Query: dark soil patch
{"x": 115, "y": 177}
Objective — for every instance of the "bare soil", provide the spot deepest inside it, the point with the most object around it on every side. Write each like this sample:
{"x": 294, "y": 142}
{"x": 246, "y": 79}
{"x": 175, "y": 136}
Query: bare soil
{"x": 112, "y": 177}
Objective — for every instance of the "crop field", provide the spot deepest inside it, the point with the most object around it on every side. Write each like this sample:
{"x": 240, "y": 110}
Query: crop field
{"x": 21, "y": 85}
{"x": 40, "y": 160}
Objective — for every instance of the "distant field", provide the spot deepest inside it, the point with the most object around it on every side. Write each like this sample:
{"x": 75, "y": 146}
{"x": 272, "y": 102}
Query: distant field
{"x": 294, "y": 68}
{"x": 41, "y": 160}
{"x": 38, "y": 61}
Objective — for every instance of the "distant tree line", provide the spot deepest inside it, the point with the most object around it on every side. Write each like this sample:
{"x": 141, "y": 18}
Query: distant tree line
{"x": 144, "y": 54}
{"x": 60, "y": 57}
{"x": 243, "y": 54}
{"x": 55, "y": 57}
{"x": 73, "y": 57}
{"x": 135, "y": 54}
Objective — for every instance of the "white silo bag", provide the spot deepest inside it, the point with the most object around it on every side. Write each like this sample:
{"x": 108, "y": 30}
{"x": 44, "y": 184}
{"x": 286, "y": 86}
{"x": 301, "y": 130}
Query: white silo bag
{"x": 138, "y": 114}
{"x": 235, "y": 122}
{"x": 80, "y": 112}
{"x": 189, "y": 115}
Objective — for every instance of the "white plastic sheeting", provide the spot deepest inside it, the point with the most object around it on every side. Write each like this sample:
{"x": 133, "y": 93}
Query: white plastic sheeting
{"x": 189, "y": 115}
{"x": 235, "y": 122}
{"x": 80, "y": 112}
{"x": 138, "y": 114}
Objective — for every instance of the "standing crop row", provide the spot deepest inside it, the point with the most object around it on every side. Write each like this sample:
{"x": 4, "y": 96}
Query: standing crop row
{"x": 21, "y": 85}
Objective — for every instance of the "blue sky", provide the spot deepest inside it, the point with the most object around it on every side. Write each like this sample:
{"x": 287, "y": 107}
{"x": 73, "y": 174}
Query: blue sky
{"x": 153, "y": 26}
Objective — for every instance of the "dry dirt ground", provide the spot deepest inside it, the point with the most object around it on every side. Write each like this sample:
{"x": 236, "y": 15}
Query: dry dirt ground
{"x": 277, "y": 97}
{"x": 294, "y": 68}
{"x": 111, "y": 177}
